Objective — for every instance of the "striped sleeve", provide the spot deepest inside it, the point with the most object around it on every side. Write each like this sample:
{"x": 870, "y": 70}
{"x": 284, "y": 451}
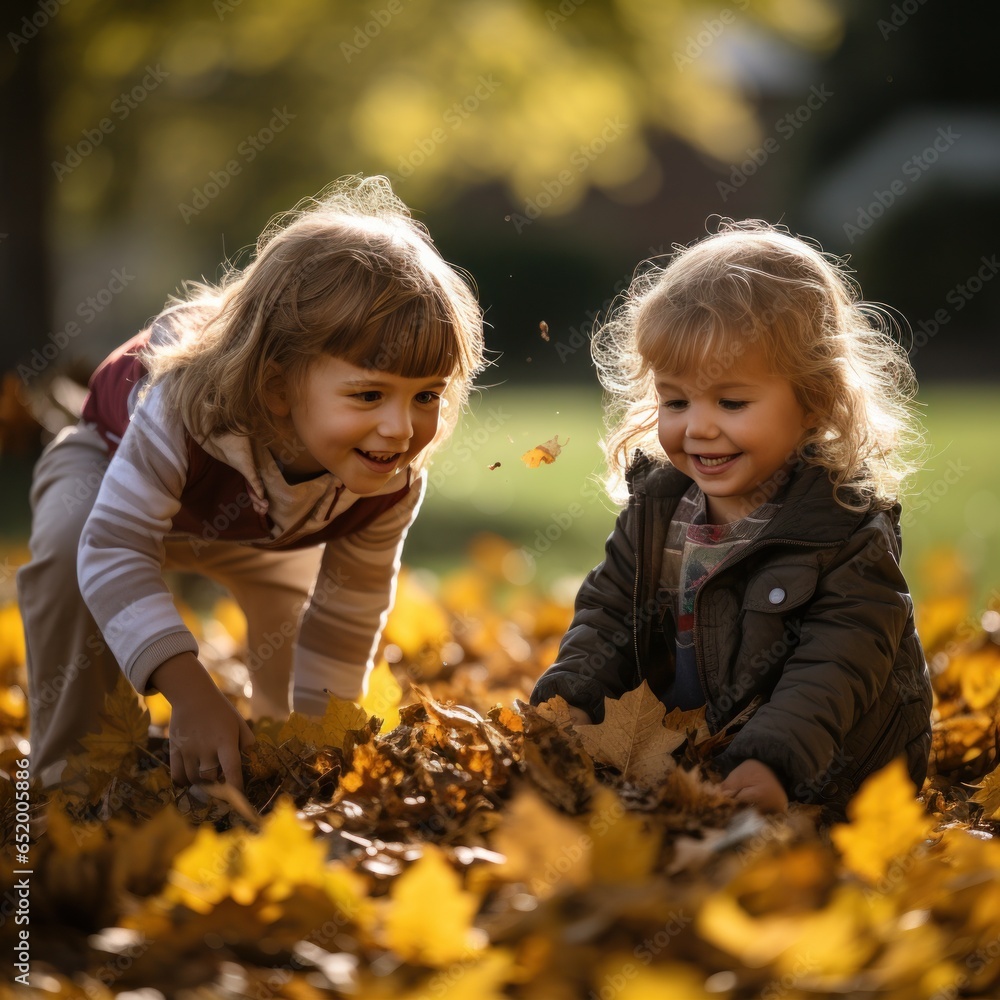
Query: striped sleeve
{"x": 349, "y": 606}
{"x": 120, "y": 560}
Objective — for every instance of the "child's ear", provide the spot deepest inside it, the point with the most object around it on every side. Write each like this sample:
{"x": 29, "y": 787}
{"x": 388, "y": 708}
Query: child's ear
{"x": 276, "y": 390}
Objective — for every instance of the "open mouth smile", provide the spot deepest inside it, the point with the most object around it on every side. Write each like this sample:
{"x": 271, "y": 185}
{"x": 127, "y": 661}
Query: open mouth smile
{"x": 714, "y": 463}
{"x": 379, "y": 459}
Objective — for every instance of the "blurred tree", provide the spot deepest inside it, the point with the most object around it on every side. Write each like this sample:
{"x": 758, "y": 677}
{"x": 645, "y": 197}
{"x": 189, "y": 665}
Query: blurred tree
{"x": 170, "y": 122}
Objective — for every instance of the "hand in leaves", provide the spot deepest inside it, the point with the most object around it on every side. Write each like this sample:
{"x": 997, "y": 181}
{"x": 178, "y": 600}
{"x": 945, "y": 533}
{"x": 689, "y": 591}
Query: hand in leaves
{"x": 754, "y": 782}
{"x": 207, "y": 734}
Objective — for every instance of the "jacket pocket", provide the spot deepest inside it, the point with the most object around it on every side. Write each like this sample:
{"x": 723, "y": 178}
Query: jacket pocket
{"x": 781, "y": 587}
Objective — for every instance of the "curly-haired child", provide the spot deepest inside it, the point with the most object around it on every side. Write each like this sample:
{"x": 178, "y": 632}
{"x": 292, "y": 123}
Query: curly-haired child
{"x": 761, "y": 423}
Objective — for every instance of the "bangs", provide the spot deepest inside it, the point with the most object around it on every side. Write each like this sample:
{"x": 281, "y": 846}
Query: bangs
{"x": 416, "y": 339}
{"x": 693, "y": 341}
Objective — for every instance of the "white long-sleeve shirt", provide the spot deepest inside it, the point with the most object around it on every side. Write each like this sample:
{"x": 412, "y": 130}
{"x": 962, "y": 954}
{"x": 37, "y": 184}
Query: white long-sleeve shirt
{"x": 121, "y": 555}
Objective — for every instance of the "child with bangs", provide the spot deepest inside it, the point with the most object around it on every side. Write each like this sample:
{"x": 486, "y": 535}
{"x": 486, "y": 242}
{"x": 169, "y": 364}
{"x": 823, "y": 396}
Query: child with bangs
{"x": 759, "y": 433}
{"x": 270, "y": 433}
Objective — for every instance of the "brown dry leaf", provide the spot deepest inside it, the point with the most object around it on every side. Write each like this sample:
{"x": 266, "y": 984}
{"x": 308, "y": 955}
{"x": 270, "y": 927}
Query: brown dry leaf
{"x": 633, "y": 739}
{"x": 988, "y": 794}
{"x": 544, "y": 454}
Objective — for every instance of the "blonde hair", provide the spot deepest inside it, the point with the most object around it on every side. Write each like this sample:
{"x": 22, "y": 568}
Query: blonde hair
{"x": 752, "y": 285}
{"x": 348, "y": 273}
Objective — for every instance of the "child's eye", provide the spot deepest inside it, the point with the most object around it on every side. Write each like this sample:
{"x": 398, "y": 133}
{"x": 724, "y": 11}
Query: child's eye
{"x": 732, "y": 404}
{"x": 370, "y": 396}
{"x": 674, "y": 404}
{"x": 427, "y": 397}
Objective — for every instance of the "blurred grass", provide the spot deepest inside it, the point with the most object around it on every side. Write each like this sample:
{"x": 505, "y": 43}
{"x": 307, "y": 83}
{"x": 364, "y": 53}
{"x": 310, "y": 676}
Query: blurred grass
{"x": 952, "y": 504}
{"x": 560, "y": 514}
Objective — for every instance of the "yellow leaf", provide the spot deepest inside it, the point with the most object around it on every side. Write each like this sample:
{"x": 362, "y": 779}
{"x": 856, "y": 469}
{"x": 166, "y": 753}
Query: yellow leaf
{"x": 417, "y": 620}
{"x": 383, "y": 696}
{"x": 624, "y": 978}
{"x": 330, "y": 731}
{"x": 124, "y": 726}
{"x": 632, "y": 737}
{"x": 544, "y": 454}
{"x": 625, "y": 848}
{"x": 284, "y": 855}
{"x": 428, "y": 919}
{"x": 158, "y": 708}
{"x": 230, "y": 616}
{"x": 979, "y": 674}
{"x": 543, "y": 848}
{"x": 886, "y": 822}
{"x": 12, "y": 652}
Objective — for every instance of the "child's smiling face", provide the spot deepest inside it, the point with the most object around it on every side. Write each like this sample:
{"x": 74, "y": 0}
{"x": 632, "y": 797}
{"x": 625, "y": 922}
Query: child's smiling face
{"x": 731, "y": 428}
{"x": 362, "y": 425}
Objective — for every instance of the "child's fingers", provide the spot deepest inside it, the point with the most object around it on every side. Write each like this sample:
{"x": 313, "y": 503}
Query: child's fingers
{"x": 231, "y": 764}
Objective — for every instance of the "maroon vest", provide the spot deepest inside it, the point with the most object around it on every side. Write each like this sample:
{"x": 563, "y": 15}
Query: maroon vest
{"x": 215, "y": 502}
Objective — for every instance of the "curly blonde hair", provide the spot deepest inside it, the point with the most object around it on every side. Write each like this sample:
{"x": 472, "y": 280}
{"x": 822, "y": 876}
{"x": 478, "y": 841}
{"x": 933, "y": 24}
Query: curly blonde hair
{"x": 751, "y": 285}
{"x": 347, "y": 273}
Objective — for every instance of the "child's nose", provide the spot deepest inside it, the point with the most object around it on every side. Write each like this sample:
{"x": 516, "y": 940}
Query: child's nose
{"x": 701, "y": 424}
{"x": 396, "y": 424}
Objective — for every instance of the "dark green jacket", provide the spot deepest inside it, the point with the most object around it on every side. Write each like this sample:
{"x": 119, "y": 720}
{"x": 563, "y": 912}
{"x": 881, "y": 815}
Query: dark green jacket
{"x": 812, "y": 618}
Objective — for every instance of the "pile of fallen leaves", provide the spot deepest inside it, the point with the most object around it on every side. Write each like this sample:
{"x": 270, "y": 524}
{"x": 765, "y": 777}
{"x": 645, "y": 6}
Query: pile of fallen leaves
{"x": 446, "y": 840}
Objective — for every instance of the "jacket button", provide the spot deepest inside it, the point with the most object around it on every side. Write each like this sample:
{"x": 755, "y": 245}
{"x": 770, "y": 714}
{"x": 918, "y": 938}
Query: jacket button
{"x": 776, "y": 596}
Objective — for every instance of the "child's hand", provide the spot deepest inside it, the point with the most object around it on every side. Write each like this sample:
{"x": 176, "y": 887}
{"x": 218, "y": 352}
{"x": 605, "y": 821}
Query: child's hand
{"x": 754, "y": 782}
{"x": 207, "y": 735}
{"x": 579, "y": 717}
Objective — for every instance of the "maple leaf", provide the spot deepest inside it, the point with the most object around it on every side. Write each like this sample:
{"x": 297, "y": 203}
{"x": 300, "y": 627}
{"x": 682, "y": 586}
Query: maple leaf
{"x": 429, "y": 917}
{"x": 886, "y": 822}
{"x": 123, "y": 728}
{"x": 633, "y": 739}
{"x": 383, "y": 696}
{"x": 331, "y": 730}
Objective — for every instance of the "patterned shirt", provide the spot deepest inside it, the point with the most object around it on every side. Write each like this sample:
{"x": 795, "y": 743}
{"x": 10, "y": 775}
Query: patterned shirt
{"x": 693, "y": 551}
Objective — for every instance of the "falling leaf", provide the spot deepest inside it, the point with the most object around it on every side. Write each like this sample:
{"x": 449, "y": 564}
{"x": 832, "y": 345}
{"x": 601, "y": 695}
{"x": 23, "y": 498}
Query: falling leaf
{"x": 886, "y": 823}
{"x": 632, "y": 737}
{"x": 543, "y": 328}
{"x": 544, "y": 454}
{"x": 428, "y": 919}
{"x": 493, "y": 467}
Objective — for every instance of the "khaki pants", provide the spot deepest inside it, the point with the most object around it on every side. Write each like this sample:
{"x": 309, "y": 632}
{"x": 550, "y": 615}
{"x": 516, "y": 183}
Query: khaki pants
{"x": 70, "y": 669}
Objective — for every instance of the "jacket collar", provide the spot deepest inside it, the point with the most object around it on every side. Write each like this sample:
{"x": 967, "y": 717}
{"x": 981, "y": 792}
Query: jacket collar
{"x": 807, "y": 509}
